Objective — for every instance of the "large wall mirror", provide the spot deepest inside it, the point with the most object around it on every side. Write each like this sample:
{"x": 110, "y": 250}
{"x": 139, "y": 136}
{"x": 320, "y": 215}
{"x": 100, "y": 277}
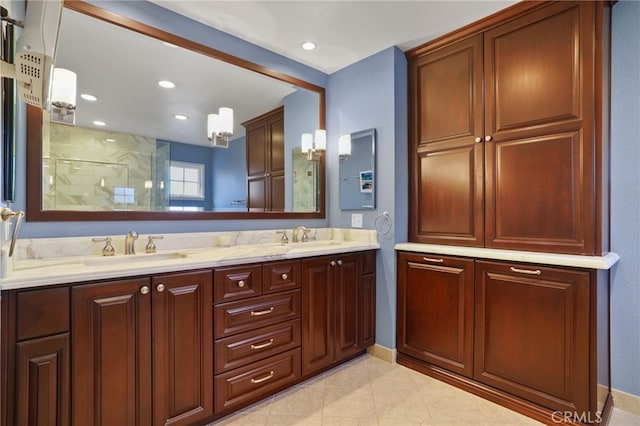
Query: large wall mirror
{"x": 128, "y": 156}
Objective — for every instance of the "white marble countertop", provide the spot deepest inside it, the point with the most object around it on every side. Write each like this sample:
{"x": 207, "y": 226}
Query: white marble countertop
{"x": 34, "y": 268}
{"x": 572, "y": 260}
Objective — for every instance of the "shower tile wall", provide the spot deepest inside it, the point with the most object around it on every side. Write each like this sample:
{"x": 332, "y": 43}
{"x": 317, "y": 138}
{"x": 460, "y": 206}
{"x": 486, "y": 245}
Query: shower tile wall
{"x": 89, "y": 169}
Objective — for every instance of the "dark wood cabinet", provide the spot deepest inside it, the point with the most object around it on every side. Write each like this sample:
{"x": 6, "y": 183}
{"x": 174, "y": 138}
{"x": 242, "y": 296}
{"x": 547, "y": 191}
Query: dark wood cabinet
{"x": 531, "y": 337}
{"x": 338, "y": 302}
{"x": 265, "y": 161}
{"x": 447, "y": 172}
{"x": 435, "y": 310}
{"x": 36, "y": 358}
{"x": 257, "y": 336}
{"x": 532, "y": 333}
{"x": 507, "y": 144}
{"x": 146, "y": 348}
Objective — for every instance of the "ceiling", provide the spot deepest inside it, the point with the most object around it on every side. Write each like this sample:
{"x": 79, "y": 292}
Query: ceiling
{"x": 344, "y": 31}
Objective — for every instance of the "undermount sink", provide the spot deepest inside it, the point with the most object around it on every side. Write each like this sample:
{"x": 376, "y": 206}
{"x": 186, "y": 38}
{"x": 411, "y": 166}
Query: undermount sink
{"x": 312, "y": 245}
{"x": 146, "y": 257}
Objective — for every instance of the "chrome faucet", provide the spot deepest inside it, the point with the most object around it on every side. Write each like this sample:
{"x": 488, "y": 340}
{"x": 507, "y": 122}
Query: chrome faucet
{"x": 294, "y": 236}
{"x": 130, "y": 242}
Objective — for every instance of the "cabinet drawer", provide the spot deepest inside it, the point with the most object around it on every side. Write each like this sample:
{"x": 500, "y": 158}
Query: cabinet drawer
{"x": 241, "y": 349}
{"x": 254, "y": 381}
{"x": 42, "y": 312}
{"x": 280, "y": 276}
{"x": 237, "y": 283}
{"x": 244, "y": 315}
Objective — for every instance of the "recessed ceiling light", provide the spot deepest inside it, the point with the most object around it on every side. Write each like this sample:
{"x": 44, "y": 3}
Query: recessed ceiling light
{"x": 88, "y": 97}
{"x": 167, "y": 84}
{"x": 99, "y": 123}
{"x": 110, "y": 140}
{"x": 308, "y": 45}
{"x": 181, "y": 117}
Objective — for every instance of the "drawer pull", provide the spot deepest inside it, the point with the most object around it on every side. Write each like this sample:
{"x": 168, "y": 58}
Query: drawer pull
{"x": 526, "y": 271}
{"x": 263, "y": 379}
{"x": 262, "y": 345}
{"x": 284, "y": 276}
{"x": 241, "y": 283}
{"x": 258, "y": 313}
{"x": 433, "y": 260}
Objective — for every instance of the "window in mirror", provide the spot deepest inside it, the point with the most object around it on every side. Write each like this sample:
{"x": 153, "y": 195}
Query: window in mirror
{"x": 357, "y": 173}
{"x": 186, "y": 180}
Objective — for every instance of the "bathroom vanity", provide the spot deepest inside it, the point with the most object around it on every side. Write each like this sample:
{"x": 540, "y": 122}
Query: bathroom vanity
{"x": 183, "y": 336}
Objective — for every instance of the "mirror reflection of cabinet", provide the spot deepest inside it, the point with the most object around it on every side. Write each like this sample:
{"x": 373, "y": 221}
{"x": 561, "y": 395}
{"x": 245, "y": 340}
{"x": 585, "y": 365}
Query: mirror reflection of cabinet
{"x": 357, "y": 173}
{"x": 265, "y": 161}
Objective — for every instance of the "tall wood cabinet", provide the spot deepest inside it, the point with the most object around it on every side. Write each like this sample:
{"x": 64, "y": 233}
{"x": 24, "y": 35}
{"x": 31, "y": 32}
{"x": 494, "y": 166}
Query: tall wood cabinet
{"x": 265, "y": 161}
{"x": 508, "y": 140}
{"x": 509, "y": 151}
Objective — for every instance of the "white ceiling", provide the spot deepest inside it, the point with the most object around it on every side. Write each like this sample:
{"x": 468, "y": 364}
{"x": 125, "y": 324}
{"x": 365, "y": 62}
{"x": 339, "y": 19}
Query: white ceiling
{"x": 344, "y": 31}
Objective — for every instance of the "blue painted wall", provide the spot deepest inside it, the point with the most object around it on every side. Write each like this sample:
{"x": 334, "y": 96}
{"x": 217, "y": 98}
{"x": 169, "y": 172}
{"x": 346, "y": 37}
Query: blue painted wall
{"x": 230, "y": 176}
{"x": 625, "y": 196}
{"x": 372, "y": 93}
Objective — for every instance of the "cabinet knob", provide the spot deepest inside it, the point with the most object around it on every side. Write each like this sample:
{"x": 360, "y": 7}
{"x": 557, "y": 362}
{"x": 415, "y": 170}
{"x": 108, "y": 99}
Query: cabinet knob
{"x": 241, "y": 283}
{"x": 160, "y": 288}
{"x": 478, "y": 139}
{"x": 332, "y": 263}
{"x": 144, "y": 289}
{"x": 488, "y": 138}
{"x": 284, "y": 276}
{"x": 340, "y": 262}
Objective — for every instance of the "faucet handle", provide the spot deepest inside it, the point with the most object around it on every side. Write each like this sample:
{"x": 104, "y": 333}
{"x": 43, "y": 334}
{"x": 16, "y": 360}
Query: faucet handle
{"x": 284, "y": 239}
{"x": 305, "y": 235}
{"x": 151, "y": 247}
{"x": 108, "y": 249}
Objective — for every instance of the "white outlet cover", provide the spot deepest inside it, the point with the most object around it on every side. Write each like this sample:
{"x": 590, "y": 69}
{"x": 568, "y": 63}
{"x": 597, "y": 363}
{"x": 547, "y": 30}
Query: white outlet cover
{"x": 356, "y": 220}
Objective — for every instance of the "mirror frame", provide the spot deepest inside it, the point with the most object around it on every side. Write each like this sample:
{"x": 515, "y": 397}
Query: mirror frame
{"x": 34, "y": 212}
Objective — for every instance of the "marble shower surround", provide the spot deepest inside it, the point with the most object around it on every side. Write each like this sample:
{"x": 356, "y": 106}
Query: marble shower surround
{"x": 83, "y": 169}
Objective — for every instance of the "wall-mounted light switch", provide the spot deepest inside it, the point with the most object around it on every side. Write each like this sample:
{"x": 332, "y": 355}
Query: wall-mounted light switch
{"x": 356, "y": 220}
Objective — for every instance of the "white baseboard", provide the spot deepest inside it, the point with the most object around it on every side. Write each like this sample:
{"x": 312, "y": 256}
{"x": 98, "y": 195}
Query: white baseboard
{"x": 383, "y": 353}
{"x": 626, "y": 402}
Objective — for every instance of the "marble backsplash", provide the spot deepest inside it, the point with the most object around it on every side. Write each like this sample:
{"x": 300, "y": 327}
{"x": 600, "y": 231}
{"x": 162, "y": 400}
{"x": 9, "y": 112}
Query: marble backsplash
{"x": 44, "y": 248}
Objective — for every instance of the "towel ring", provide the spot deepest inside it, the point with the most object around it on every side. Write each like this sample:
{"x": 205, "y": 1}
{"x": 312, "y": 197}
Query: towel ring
{"x": 383, "y": 223}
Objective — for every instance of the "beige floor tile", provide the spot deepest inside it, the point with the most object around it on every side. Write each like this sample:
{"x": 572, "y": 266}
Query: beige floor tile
{"x": 368, "y": 391}
{"x": 339, "y": 402}
{"x": 284, "y": 420}
{"x": 300, "y": 401}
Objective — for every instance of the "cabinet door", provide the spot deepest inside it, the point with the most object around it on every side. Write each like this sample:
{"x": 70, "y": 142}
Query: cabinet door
{"x": 532, "y": 333}
{"x": 42, "y": 381}
{"x": 447, "y": 162}
{"x": 367, "y": 300}
{"x": 347, "y": 306}
{"x": 317, "y": 314}
{"x": 182, "y": 348}
{"x": 435, "y": 310}
{"x": 111, "y": 352}
{"x": 539, "y": 110}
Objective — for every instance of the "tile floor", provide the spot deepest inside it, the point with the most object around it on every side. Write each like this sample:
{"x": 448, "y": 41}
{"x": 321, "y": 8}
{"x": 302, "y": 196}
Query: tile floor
{"x": 370, "y": 392}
